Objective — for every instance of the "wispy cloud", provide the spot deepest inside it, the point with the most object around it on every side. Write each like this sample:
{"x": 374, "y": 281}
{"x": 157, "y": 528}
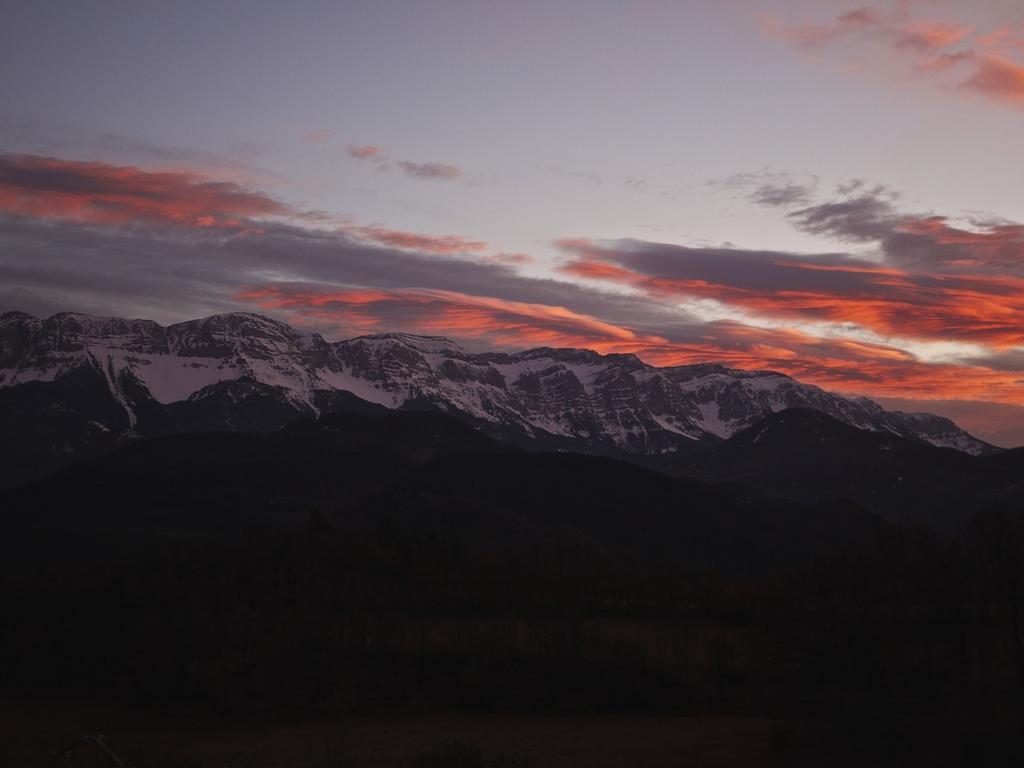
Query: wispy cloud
{"x": 985, "y": 63}
{"x": 499, "y": 321}
{"x": 415, "y": 241}
{"x": 429, "y": 171}
{"x": 770, "y": 188}
{"x": 365, "y": 152}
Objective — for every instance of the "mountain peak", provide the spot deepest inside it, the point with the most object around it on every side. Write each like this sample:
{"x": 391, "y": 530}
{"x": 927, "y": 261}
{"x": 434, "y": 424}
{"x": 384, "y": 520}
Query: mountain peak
{"x": 234, "y": 321}
{"x": 421, "y": 343}
{"x": 15, "y": 316}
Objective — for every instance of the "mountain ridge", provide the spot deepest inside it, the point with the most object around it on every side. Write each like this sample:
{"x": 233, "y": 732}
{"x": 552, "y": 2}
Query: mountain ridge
{"x": 161, "y": 375}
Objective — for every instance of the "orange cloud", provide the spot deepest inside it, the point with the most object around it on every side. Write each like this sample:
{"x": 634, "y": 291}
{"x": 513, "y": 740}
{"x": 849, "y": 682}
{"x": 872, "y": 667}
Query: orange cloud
{"x": 499, "y": 321}
{"x": 1002, "y": 39}
{"x": 838, "y": 364}
{"x": 593, "y": 269}
{"x": 998, "y": 245}
{"x": 983, "y": 309}
{"x": 98, "y": 193}
{"x": 843, "y": 366}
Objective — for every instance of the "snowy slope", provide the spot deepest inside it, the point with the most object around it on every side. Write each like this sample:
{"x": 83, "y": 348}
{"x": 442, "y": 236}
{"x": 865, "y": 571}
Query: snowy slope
{"x": 614, "y": 401}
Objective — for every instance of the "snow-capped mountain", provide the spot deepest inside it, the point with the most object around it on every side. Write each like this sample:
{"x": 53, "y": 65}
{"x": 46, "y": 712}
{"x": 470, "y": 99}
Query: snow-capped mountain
{"x": 613, "y": 399}
{"x": 173, "y": 363}
{"x": 226, "y": 361}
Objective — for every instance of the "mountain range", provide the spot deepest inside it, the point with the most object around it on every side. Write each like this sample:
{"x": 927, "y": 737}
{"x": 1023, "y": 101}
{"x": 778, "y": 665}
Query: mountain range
{"x": 74, "y": 383}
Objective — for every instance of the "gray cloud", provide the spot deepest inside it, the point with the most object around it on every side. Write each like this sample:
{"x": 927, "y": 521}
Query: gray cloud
{"x": 915, "y": 240}
{"x": 171, "y": 275}
{"x": 430, "y": 171}
{"x": 736, "y": 267}
{"x": 862, "y": 219}
{"x": 781, "y": 195}
{"x": 1011, "y": 360}
{"x": 769, "y": 188}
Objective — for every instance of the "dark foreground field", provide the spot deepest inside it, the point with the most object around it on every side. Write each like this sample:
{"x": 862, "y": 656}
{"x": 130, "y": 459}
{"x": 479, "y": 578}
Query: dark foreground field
{"x": 36, "y": 731}
{"x": 300, "y": 601}
{"x": 455, "y": 740}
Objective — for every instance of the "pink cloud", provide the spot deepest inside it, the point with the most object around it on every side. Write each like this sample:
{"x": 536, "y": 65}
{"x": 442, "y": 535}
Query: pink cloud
{"x": 365, "y": 151}
{"x": 810, "y": 35}
{"x": 99, "y": 193}
{"x": 998, "y": 78}
{"x": 396, "y": 238}
{"x": 932, "y": 35}
{"x": 937, "y": 47}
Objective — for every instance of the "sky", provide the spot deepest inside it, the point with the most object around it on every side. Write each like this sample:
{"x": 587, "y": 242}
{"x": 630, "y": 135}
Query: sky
{"x": 827, "y": 189}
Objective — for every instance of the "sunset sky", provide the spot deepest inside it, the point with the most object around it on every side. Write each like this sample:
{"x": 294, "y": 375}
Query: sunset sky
{"x": 833, "y": 190}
